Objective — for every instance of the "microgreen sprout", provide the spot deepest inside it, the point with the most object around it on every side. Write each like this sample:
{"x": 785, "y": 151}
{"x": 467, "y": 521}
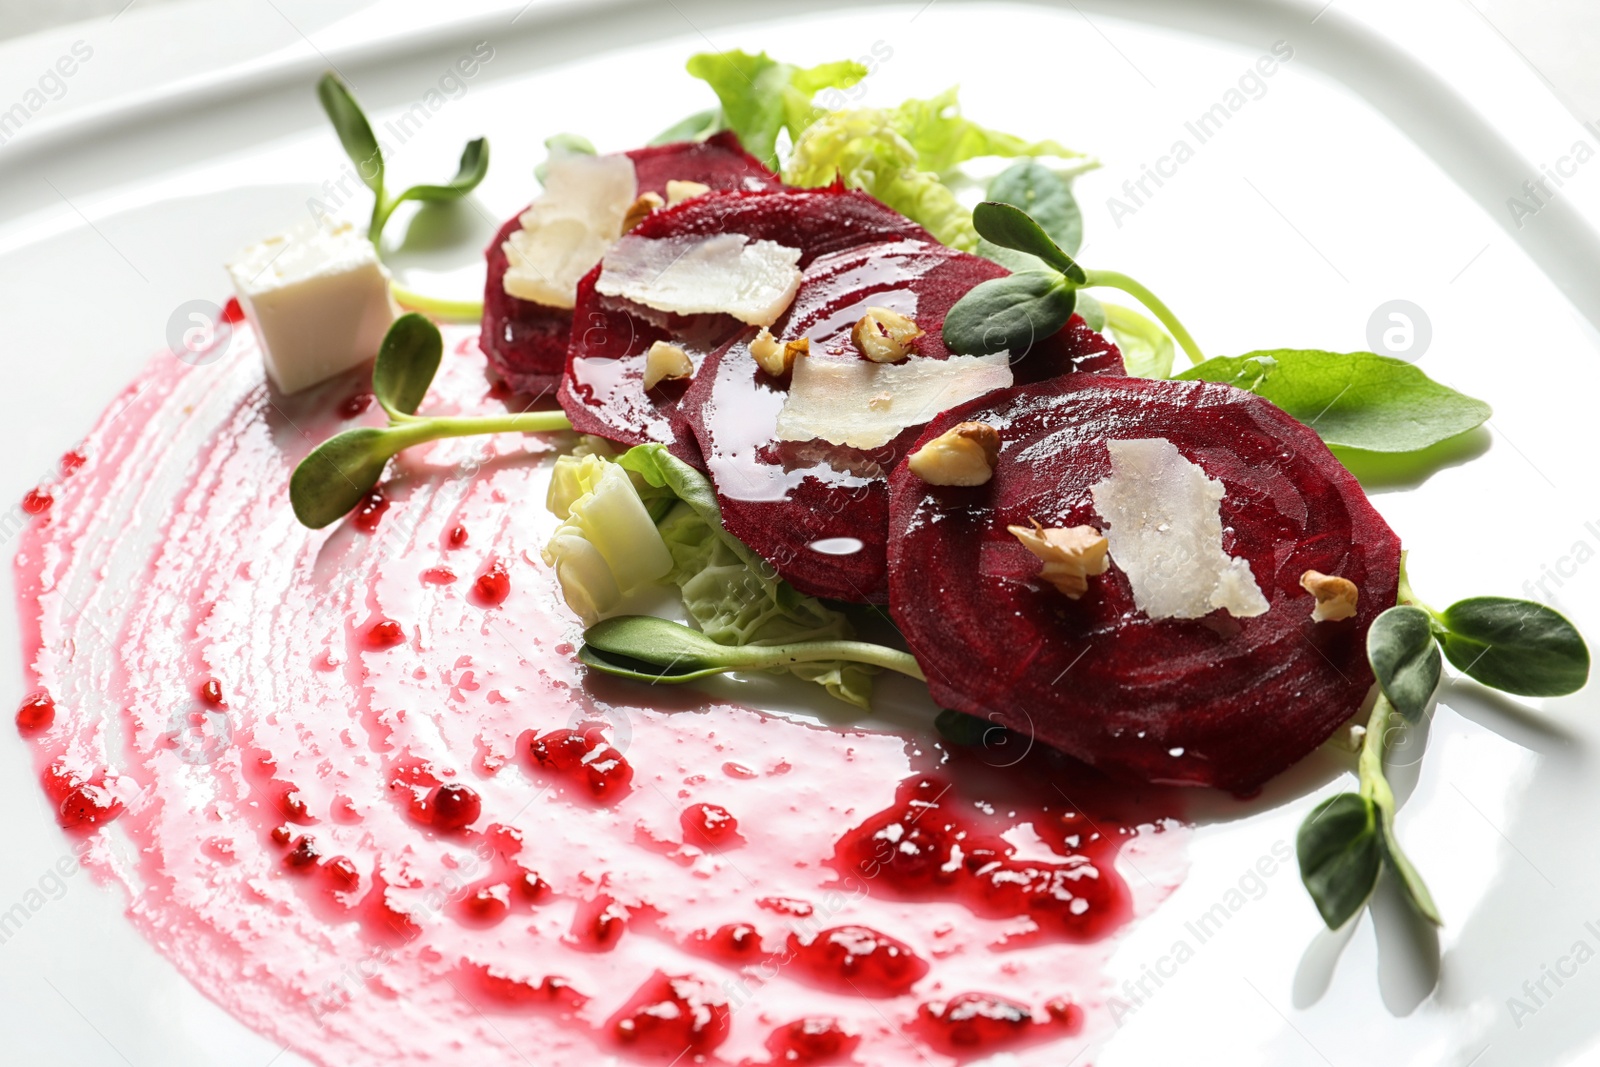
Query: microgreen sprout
{"x": 341, "y": 472}
{"x": 659, "y": 652}
{"x": 362, "y": 146}
{"x": 1516, "y": 646}
{"x": 1036, "y": 303}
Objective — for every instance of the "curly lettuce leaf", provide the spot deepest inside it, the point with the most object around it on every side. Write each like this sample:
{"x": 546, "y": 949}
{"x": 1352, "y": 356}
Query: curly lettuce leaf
{"x": 732, "y": 594}
{"x": 903, "y": 156}
{"x": 944, "y": 138}
{"x": 762, "y": 97}
{"x": 608, "y": 546}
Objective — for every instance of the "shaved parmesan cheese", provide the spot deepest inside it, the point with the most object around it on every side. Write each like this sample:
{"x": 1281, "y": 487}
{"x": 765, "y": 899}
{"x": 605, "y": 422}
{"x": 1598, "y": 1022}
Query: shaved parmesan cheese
{"x": 865, "y": 405}
{"x": 727, "y": 273}
{"x": 569, "y": 227}
{"x": 1164, "y": 522}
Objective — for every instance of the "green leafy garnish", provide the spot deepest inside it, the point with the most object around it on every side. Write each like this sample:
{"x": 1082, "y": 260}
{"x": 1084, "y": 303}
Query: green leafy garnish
{"x": 1009, "y": 314}
{"x": 1047, "y": 197}
{"x": 341, "y": 472}
{"x": 762, "y": 97}
{"x": 355, "y": 134}
{"x": 1340, "y": 853}
{"x": 1513, "y": 645}
{"x": 659, "y": 652}
{"x": 1405, "y": 659}
{"x": 1516, "y": 646}
{"x": 1352, "y": 399}
{"x": 907, "y": 157}
{"x": 696, "y": 127}
{"x": 1000, "y": 307}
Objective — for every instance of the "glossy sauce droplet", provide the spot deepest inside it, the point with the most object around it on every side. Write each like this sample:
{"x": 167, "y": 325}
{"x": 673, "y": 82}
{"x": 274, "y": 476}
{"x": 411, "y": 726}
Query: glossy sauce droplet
{"x": 89, "y": 805}
{"x": 454, "y": 806}
{"x": 492, "y": 586}
{"x": 354, "y": 405}
{"x": 973, "y": 1021}
{"x": 232, "y": 311}
{"x": 37, "y": 501}
{"x": 211, "y": 692}
{"x": 584, "y": 757}
{"x": 672, "y": 1015}
{"x": 370, "y": 512}
{"x": 817, "y": 1039}
{"x": 709, "y": 826}
{"x": 36, "y": 713}
{"x": 837, "y": 546}
{"x": 72, "y": 462}
{"x": 439, "y": 576}
{"x": 858, "y": 959}
{"x": 385, "y": 633}
{"x": 457, "y": 536}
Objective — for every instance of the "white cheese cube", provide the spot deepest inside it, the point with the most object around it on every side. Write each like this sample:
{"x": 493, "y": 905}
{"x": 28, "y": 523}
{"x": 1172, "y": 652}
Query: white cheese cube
{"x": 318, "y": 299}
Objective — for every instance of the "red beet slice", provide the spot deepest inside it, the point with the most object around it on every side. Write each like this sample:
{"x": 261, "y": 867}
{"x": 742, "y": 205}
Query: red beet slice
{"x": 526, "y": 342}
{"x": 1217, "y": 701}
{"x": 817, "y": 512}
{"x": 603, "y": 390}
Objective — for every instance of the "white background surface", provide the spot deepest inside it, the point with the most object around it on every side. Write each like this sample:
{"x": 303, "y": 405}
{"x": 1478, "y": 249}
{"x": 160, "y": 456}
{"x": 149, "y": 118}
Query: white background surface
{"x": 1342, "y": 187}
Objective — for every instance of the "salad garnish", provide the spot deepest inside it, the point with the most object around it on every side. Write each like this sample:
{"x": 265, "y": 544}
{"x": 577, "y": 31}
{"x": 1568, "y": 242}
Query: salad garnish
{"x": 341, "y": 472}
{"x": 1515, "y": 646}
{"x": 361, "y": 145}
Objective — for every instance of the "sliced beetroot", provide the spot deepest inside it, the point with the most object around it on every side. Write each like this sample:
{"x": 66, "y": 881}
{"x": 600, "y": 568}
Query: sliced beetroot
{"x": 526, "y": 342}
{"x": 1217, "y": 701}
{"x": 817, "y": 512}
{"x": 603, "y": 390}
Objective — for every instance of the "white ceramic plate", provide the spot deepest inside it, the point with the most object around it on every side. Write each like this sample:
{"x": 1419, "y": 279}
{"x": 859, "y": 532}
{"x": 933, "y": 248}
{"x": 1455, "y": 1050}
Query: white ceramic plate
{"x": 1376, "y": 165}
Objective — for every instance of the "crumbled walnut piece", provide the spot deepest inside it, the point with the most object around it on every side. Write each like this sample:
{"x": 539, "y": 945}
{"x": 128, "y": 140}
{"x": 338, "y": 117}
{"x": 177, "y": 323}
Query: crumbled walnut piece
{"x": 1336, "y": 597}
{"x": 777, "y": 357}
{"x": 641, "y": 209}
{"x": 884, "y": 336}
{"x": 678, "y": 192}
{"x": 963, "y": 455}
{"x": 666, "y": 362}
{"x": 1071, "y": 555}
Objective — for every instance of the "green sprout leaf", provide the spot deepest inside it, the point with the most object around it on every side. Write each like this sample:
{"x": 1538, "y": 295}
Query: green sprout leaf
{"x": 1405, "y": 659}
{"x": 1147, "y": 351}
{"x": 1009, "y": 314}
{"x": 1352, "y": 399}
{"x": 659, "y": 652}
{"x": 1340, "y": 851}
{"x": 1516, "y": 646}
{"x": 1008, "y": 226}
{"x": 1415, "y": 888}
{"x": 655, "y": 651}
{"x": 407, "y": 361}
{"x": 355, "y": 132}
{"x": 339, "y": 473}
{"x": 469, "y": 174}
{"x": 1047, "y": 198}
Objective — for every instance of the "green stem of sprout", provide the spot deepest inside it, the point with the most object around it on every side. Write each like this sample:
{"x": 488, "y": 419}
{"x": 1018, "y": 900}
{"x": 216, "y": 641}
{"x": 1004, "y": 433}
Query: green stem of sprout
{"x": 1112, "y": 279}
{"x": 444, "y": 310}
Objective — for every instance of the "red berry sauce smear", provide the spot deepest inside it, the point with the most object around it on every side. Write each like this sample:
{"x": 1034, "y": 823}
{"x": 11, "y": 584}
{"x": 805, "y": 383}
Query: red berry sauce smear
{"x": 444, "y": 842}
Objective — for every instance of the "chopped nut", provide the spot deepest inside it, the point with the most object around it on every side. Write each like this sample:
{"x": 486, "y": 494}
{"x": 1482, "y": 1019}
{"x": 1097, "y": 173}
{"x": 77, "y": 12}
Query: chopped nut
{"x": 1355, "y": 735}
{"x": 777, "y": 357}
{"x": 666, "y": 362}
{"x": 881, "y": 402}
{"x": 640, "y": 210}
{"x": 678, "y": 192}
{"x": 962, "y": 455}
{"x": 1071, "y": 555}
{"x": 884, "y": 336}
{"x": 1336, "y": 597}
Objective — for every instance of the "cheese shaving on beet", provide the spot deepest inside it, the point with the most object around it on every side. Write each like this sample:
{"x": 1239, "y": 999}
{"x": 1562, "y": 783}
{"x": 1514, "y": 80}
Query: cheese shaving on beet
{"x": 1164, "y": 523}
{"x": 861, "y": 404}
{"x": 726, "y": 273}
